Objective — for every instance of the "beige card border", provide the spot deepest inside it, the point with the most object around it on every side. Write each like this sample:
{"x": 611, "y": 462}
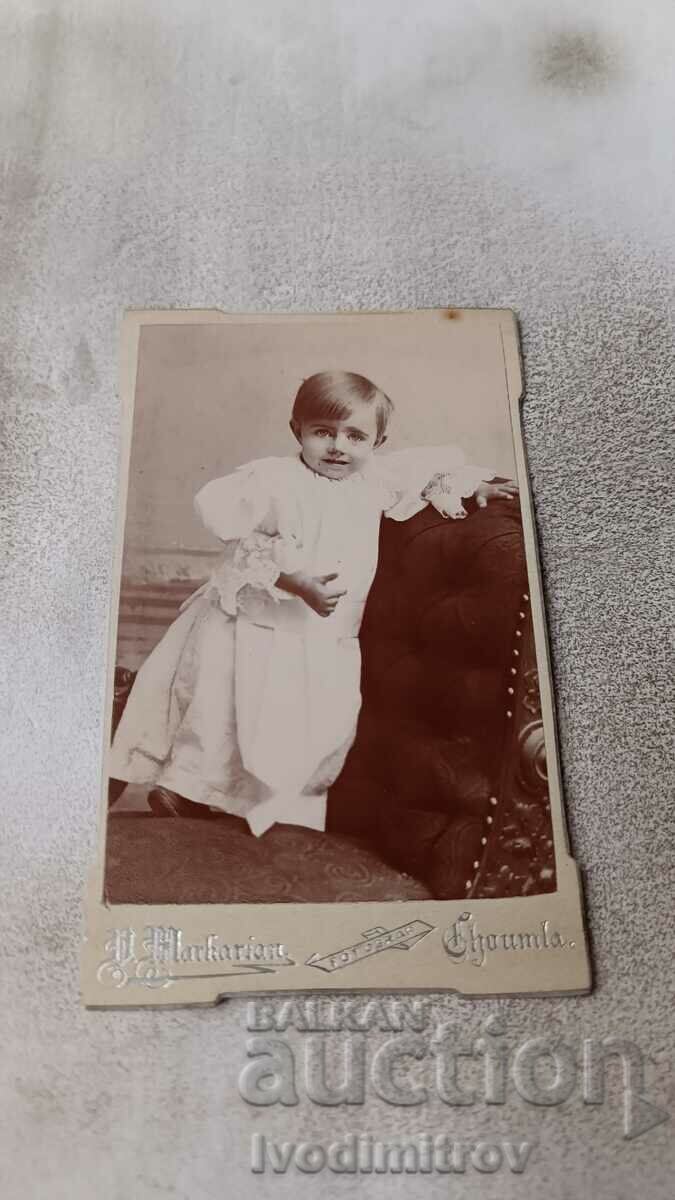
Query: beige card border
{"x": 139, "y": 955}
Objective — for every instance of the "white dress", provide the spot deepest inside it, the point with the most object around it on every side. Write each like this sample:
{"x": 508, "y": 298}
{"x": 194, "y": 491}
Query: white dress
{"x": 249, "y": 702}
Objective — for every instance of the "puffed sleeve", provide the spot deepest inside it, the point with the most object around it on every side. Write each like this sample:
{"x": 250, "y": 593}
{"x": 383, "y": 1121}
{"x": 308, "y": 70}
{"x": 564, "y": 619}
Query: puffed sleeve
{"x": 235, "y": 505}
{"x": 437, "y": 475}
{"x": 245, "y": 510}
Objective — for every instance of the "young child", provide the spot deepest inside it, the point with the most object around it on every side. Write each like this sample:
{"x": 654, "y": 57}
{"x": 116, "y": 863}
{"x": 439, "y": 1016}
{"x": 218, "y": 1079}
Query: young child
{"x": 249, "y": 702}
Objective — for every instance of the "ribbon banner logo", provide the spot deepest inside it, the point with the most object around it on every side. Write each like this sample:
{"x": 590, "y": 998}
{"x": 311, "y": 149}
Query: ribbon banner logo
{"x": 403, "y": 937}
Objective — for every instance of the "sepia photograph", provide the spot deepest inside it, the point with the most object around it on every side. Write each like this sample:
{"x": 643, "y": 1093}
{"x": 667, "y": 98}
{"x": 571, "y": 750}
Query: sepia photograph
{"x": 336, "y": 382}
{"x": 326, "y": 683}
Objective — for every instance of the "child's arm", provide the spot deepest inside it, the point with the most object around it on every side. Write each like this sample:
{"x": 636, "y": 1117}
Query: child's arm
{"x": 264, "y": 562}
{"x": 438, "y": 475}
{"x": 447, "y": 490}
{"x": 241, "y": 511}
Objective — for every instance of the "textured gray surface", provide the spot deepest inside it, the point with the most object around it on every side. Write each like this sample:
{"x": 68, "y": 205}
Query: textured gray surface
{"x": 299, "y": 155}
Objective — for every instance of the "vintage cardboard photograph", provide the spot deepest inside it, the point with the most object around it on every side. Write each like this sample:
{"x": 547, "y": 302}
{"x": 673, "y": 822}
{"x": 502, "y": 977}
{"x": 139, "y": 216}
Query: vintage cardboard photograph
{"x": 330, "y": 750}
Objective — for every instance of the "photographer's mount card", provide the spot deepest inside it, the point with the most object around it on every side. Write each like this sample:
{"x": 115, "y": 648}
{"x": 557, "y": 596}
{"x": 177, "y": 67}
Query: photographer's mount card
{"x": 330, "y": 745}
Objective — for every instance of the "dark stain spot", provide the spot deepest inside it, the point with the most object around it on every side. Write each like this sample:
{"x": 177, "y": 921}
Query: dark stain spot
{"x": 85, "y": 376}
{"x": 577, "y": 62}
{"x": 451, "y": 314}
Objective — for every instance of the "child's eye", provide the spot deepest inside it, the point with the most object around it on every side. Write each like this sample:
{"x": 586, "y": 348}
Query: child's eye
{"x": 322, "y": 432}
{"x": 357, "y": 437}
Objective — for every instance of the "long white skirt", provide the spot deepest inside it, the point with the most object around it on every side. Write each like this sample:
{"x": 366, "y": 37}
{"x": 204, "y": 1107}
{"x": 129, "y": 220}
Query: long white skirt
{"x": 252, "y": 720}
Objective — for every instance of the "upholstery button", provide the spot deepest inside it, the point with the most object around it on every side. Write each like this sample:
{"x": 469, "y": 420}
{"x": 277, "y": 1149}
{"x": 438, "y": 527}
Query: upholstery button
{"x": 483, "y": 841}
{"x": 518, "y": 633}
{"x": 476, "y": 865}
{"x": 488, "y": 820}
{"x": 510, "y": 691}
{"x": 509, "y": 713}
{"x": 517, "y": 653}
{"x": 493, "y": 799}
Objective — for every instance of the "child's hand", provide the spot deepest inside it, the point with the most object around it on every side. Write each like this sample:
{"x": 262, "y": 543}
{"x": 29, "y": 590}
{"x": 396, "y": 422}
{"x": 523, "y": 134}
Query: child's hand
{"x": 321, "y": 594}
{"x": 318, "y": 591}
{"x": 495, "y": 491}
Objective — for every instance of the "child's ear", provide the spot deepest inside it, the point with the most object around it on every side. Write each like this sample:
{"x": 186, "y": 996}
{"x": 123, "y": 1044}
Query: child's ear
{"x": 295, "y": 429}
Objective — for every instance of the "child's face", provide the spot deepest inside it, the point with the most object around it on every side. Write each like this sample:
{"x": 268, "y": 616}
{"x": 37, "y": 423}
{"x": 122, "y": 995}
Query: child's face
{"x": 337, "y": 448}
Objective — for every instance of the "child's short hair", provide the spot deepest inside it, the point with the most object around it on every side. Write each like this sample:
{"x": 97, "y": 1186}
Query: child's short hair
{"x": 331, "y": 395}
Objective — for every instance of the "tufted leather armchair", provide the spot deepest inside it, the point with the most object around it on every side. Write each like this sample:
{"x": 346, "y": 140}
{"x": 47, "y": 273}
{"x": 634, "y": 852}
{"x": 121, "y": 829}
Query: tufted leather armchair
{"x": 447, "y": 776}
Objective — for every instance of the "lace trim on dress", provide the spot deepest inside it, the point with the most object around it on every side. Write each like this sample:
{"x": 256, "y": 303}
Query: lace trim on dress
{"x": 256, "y": 563}
{"x": 446, "y": 490}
